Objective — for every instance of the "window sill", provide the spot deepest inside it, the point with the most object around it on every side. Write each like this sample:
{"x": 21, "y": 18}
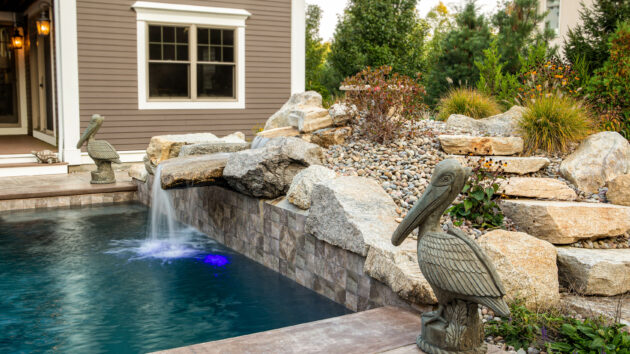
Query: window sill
{"x": 191, "y": 105}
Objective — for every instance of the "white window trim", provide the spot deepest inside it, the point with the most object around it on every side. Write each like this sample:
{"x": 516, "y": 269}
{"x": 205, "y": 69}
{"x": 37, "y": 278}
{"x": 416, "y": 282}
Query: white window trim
{"x": 151, "y": 12}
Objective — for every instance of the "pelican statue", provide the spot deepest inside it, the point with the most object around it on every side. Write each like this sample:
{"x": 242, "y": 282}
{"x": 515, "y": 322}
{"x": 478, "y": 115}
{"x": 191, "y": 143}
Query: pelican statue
{"x": 102, "y": 152}
{"x": 458, "y": 270}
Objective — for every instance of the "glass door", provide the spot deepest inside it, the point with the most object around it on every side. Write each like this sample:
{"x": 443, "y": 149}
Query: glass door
{"x": 8, "y": 87}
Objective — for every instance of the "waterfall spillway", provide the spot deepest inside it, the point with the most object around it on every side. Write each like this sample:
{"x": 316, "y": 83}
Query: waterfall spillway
{"x": 162, "y": 220}
{"x": 166, "y": 237}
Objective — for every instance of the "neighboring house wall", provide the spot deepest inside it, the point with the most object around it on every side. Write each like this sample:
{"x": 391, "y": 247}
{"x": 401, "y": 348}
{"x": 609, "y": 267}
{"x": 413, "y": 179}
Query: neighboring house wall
{"x": 568, "y": 17}
{"x": 108, "y": 80}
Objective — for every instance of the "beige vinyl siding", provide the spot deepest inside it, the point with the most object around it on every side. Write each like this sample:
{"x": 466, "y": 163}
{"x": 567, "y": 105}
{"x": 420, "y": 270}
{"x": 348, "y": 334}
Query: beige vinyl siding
{"x": 108, "y": 73}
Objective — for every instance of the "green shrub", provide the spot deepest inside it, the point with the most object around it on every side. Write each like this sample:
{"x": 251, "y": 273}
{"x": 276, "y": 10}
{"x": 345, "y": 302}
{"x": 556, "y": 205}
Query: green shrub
{"x": 557, "y": 333}
{"x": 478, "y": 197}
{"x": 468, "y": 102}
{"x": 553, "y": 121}
{"x": 492, "y": 79}
{"x": 609, "y": 87}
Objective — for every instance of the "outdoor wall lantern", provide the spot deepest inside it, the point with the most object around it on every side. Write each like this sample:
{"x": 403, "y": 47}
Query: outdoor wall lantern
{"x": 17, "y": 40}
{"x": 43, "y": 24}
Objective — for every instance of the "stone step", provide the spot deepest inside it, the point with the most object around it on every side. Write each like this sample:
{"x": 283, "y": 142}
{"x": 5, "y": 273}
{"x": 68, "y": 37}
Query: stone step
{"x": 595, "y": 271}
{"x": 508, "y": 164}
{"x": 480, "y": 145}
{"x": 561, "y": 222}
{"x": 539, "y": 188}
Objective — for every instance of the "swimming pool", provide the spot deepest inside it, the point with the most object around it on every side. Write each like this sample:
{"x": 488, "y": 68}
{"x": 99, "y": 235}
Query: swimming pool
{"x": 72, "y": 280}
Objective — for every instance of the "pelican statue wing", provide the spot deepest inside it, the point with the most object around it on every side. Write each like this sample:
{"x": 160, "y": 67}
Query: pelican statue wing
{"x": 458, "y": 265}
{"x": 102, "y": 150}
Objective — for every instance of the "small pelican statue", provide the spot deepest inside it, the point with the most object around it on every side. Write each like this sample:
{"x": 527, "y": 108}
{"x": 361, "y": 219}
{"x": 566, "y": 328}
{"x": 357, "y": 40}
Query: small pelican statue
{"x": 458, "y": 270}
{"x": 102, "y": 152}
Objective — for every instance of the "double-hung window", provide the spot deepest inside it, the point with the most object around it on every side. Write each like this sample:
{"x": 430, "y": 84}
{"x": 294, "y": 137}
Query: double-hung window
{"x": 190, "y": 57}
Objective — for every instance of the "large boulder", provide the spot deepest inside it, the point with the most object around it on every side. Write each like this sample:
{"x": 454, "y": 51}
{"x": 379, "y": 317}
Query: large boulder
{"x": 595, "y": 271}
{"x": 507, "y": 164}
{"x": 353, "y": 213}
{"x": 278, "y": 132}
{"x": 164, "y": 147}
{"x": 526, "y": 265}
{"x": 503, "y": 124}
{"x": 302, "y": 186}
{"x": 192, "y": 170}
{"x": 310, "y": 119}
{"x": 212, "y": 148}
{"x": 400, "y": 271}
{"x": 480, "y": 145}
{"x": 341, "y": 113}
{"x": 599, "y": 159}
{"x": 297, "y": 101}
{"x": 330, "y": 136}
{"x": 567, "y": 222}
{"x": 540, "y": 188}
{"x": 619, "y": 190}
{"x": 268, "y": 172}
{"x": 139, "y": 172}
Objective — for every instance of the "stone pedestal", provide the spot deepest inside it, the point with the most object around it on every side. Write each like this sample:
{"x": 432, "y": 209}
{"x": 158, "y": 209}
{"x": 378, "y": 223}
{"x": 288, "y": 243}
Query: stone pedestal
{"x": 461, "y": 334}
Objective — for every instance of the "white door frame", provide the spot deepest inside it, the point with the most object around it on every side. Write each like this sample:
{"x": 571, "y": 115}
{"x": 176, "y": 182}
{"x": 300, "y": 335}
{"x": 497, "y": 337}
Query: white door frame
{"x": 21, "y": 86}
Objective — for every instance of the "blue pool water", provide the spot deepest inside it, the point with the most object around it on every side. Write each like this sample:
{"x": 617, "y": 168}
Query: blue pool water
{"x": 75, "y": 280}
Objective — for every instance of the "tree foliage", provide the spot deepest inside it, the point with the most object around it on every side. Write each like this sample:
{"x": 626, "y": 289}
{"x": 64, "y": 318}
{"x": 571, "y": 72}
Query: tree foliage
{"x": 518, "y": 23}
{"x": 462, "y": 46}
{"x": 589, "y": 40}
{"x": 315, "y": 51}
{"x": 375, "y": 33}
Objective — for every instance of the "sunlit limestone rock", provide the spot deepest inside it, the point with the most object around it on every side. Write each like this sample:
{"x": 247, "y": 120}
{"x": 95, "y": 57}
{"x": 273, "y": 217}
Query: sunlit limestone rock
{"x": 302, "y": 186}
{"x": 503, "y": 124}
{"x": 595, "y": 271}
{"x": 480, "y": 145}
{"x": 539, "y": 188}
{"x": 526, "y": 265}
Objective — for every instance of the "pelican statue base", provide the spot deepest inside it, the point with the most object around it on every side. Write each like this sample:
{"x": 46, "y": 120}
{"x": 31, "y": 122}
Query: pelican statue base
{"x": 102, "y": 152}
{"x": 459, "y": 272}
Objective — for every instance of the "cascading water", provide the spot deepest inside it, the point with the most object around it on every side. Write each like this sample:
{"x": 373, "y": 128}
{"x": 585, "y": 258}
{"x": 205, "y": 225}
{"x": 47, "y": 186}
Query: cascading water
{"x": 166, "y": 237}
{"x": 259, "y": 142}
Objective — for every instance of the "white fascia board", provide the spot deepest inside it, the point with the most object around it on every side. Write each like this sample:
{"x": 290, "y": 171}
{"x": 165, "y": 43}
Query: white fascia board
{"x": 125, "y": 156}
{"x": 146, "y": 6}
{"x": 298, "y": 46}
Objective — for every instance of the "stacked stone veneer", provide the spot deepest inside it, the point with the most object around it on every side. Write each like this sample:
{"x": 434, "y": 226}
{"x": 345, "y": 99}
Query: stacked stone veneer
{"x": 67, "y": 201}
{"x": 272, "y": 233}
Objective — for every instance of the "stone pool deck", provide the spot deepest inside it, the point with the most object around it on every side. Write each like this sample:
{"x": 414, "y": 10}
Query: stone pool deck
{"x": 74, "y": 189}
{"x": 383, "y": 330}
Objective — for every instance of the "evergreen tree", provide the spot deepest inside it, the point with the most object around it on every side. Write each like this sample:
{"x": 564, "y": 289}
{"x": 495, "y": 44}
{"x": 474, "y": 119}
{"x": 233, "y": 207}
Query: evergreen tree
{"x": 376, "y": 33}
{"x": 589, "y": 40}
{"x": 315, "y": 51}
{"x": 440, "y": 22}
{"x": 462, "y": 46}
{"x": 518, "y": 23}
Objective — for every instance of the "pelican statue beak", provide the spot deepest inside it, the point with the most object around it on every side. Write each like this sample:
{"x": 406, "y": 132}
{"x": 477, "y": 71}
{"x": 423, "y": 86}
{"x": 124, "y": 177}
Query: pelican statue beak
{"x": 91, "y": 129}
{"x": 432, "y": 198}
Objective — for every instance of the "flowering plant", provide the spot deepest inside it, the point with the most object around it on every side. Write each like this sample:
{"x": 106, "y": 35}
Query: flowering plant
{"x": 549, "y": 78}
{"x": 385, "y": 100}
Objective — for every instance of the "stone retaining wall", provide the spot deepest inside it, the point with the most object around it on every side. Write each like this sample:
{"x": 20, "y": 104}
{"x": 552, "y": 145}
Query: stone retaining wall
{"x": 272, "y": 234}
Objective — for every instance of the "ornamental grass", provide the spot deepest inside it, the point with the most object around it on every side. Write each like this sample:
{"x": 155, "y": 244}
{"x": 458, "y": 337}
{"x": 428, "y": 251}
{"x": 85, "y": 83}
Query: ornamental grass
{"x": 469, "y": 102}
{"x": 552, "y": 122}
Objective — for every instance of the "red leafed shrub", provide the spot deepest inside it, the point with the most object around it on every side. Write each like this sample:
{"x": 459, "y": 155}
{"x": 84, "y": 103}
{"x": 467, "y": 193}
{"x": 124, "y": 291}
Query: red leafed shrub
{"x": 384, "y": 100}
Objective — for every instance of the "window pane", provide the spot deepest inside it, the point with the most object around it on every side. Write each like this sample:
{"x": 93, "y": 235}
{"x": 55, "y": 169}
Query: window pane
{"x": 215, "y": 36}
{"x": 155, "y": 52}
{"x": 215, "y": 53}
{"x": 202, "y": 36}
{"x": 182, "y": 34}
{"x": 203, "y": 53}
{"x": 215, "y": 80}
{"x": 168, "y": 34}
{"x": 155, "y": 33}
{"x": 182, "y": 52}
{"x": 228, "y": 54}
{"x": 169, "y": 52}
{"x": 168, "y": 80}
{"x": 228, "y": 37}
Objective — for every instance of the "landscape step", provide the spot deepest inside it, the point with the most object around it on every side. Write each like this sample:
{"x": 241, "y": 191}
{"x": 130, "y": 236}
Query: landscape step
{"x": 567, "y": 222}
{"x": 508, "y": 164}
{"x": 481, "y": 145}
{"x": 595, "y": 271}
